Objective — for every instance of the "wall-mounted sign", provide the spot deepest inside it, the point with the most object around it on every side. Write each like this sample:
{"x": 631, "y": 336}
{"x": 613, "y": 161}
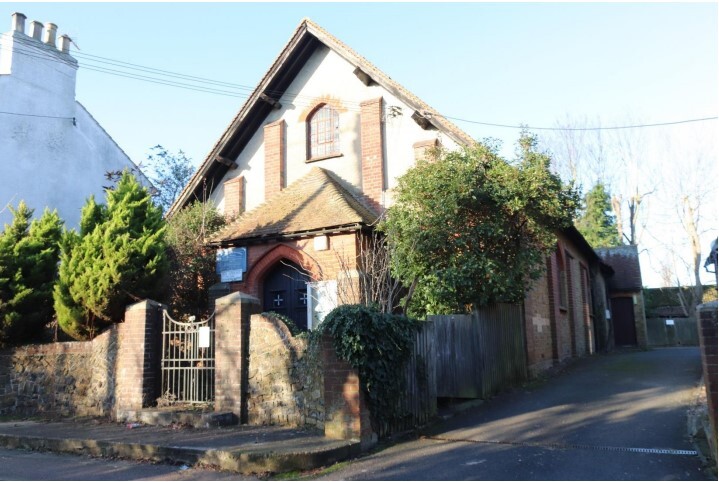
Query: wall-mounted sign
{"x": 203, "y": 337}
{"x": 231, "y": 264}
{"x": 670, "y": 322}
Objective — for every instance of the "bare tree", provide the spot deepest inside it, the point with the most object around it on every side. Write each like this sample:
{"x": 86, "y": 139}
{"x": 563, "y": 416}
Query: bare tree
{"x": 586, "y": 154}
{"x": 367, "y": 279}
{"x": 689, "y": 192}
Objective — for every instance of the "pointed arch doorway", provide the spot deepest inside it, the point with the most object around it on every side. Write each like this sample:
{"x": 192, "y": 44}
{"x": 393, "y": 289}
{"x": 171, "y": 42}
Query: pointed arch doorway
{"x": 284, "y": 291}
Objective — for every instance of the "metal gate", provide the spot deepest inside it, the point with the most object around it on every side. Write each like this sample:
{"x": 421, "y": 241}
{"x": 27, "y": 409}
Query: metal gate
{"x": 188, "y": 360}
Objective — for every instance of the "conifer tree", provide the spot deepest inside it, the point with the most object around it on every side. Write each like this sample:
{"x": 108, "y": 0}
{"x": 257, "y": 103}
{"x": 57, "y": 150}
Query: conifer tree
{"x": 597, "y": 223}
{"x": 28, "y": 268}
{"x": 117, "y": 258}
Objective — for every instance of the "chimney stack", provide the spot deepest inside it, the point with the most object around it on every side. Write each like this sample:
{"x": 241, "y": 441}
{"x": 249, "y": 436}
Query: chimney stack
{"x": 50, "y": 34}
{"x": 65, "y": 44}
{"x": 18, "y": 22}
{"x": 35, "y": 29}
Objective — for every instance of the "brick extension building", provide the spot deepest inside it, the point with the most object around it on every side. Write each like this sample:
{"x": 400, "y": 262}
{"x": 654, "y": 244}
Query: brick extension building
{"x": 308, "y": 165}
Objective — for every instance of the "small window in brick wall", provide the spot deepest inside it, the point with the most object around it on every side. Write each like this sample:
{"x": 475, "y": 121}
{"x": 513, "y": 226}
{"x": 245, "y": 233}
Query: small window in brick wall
{"x": 323, "y": 133}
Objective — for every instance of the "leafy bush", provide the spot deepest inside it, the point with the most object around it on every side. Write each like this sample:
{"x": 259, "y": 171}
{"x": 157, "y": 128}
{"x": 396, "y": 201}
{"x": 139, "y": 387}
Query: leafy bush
{"x": 378, "y": 345}
{"x": 289, "y": 322}
{"x": 470, "y": 228}
{"x": 28, "y": 267}
{"x": 117, "y": 258}
{"x": 192, "y": 264}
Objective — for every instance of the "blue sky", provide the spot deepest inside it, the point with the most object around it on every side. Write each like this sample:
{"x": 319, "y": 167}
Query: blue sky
{"x": 506, "y": 63}
{"x": 497, "y": 63}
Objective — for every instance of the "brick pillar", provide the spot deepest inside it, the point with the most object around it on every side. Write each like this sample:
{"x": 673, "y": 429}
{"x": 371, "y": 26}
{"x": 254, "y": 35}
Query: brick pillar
{"x": 372, "y": 145}
{"x": 234, "y": 197}
{"x": 707, "y": 327}
{"x": 232, "y": 336}
{"x": 274, "y": 158}
{"x": 138, "y": 356}
{"x": 346, "y": 413}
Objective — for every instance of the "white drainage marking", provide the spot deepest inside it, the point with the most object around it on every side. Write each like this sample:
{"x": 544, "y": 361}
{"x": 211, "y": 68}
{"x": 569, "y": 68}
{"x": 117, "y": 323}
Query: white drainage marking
{"x": 570, "y": 446}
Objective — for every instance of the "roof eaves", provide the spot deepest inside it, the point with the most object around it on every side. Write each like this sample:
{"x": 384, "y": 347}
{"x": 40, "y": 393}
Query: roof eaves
{"x": 341, "y": 228}
{"x": 236, "y": 122}
{"x": 454, "y": 132}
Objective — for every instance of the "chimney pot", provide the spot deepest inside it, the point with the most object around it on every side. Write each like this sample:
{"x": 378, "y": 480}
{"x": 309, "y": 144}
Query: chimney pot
{"x": 18, "y": 22}
{"x": 35, "y": 29}
{"x": 65, "y": 44}
{"x": 50, "y": 33}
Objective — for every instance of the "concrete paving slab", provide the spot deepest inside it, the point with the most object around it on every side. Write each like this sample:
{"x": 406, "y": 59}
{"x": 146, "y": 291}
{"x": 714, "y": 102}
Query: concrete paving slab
{"x": 241, "y": 449}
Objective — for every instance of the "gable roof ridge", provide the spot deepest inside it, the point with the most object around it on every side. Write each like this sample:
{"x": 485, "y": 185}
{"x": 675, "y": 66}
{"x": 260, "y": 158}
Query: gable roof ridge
{"x": 251, "y": 99}
{"x": 307, "y": 26}
{"x": 327, "y": 37}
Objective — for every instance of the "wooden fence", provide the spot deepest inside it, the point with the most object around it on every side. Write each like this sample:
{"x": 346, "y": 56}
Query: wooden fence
{"x": 463, "y": 356}
{"x": 420, "y": 402}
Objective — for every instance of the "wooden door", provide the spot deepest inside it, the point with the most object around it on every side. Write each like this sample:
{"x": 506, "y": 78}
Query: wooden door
{"x": 625, "y": 332}
{"x": 285, "y": 292}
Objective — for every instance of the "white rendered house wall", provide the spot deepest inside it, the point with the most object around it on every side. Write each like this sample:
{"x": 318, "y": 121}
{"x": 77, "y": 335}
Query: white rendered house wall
{"x": 328, "y": 77}
{"x": 53, "y": 153}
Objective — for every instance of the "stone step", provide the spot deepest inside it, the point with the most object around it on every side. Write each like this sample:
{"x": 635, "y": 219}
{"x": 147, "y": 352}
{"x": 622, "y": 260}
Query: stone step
{"x": 169, "y": 416}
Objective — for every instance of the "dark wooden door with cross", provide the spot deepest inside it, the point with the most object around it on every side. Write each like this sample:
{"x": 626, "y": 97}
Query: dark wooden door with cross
{"x": 285, "y": 292}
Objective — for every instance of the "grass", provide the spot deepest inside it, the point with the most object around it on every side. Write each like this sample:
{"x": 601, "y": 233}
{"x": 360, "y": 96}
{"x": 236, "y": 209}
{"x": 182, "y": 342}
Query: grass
{"x": 310, "y": 474}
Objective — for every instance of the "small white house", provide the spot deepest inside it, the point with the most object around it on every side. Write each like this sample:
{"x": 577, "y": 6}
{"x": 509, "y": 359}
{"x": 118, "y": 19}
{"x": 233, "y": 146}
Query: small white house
{"x": 53, "y": 153}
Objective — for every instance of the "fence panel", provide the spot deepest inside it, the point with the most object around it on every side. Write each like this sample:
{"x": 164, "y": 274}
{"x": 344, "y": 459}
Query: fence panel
{"x": 481, "y": 353}
{"x": 502, "y": 352}
{"x": 420, "y": 400}
{"x": 458, "y": 352}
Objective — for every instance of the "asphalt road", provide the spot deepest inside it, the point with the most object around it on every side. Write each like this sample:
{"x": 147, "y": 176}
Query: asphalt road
{"x": 609, "y": 417}
{"x": 26, "y": 465}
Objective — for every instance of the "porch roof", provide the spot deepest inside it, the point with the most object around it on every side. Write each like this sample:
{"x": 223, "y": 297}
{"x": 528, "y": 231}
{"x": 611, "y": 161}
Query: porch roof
{"x": 316, "y": 202}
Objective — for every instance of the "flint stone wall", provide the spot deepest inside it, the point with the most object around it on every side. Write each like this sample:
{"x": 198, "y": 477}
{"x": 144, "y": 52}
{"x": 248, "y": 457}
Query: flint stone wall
{"x": 286, "y": 383}
{"x": 60, "y": 379}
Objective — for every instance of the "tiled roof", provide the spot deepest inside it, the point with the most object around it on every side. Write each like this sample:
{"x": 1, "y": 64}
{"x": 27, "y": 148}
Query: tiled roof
{"x": 314, "y": 202}
{"x": 624, "y": 260}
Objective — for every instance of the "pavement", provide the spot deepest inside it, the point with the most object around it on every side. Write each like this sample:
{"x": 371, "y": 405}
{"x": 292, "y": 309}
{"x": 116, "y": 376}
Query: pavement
{"x": 239, "y": 448}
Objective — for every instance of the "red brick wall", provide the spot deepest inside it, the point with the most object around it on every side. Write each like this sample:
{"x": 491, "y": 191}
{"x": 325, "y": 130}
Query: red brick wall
{"x": 234, "y": 197}
{"x": 138, "y": 357}
{"x": 555, "y": 333}
{"x": 274, "y": 158}
{"x": 372, "y": 145}
{"x": 232, "y": 325}
{"x": 321, "y": 265}
{"x": 561, "y": 314}
{"x": 707, "y": 325}
{"x": 346, "y": 413}
{"x": 538, "y": 327}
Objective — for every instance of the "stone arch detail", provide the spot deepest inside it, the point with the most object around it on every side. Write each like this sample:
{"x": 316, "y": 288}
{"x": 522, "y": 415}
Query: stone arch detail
{"x": 276, "y": 254}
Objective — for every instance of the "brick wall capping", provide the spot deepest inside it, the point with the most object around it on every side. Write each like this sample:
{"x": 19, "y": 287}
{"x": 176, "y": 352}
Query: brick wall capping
{"x": 237, "y": 297}
{"x": 708, "y": 306}
{"x": 144, "y": 305}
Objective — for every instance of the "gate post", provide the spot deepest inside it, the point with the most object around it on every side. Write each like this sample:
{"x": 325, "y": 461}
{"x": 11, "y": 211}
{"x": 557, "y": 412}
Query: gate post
{"x": 347, "y": 415}
{"x": 138, "y": 357}
{"x": 706, "y": 315}
{"x": 232, "y": 336}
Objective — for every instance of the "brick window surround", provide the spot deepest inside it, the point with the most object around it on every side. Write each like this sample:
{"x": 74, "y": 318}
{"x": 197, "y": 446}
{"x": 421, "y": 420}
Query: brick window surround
{"x": 323, "y": 133}
{"x": 234, "y": 197}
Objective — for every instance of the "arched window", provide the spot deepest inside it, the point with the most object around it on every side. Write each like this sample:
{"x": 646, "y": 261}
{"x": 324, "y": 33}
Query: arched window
{"x": 323, "y": 133}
